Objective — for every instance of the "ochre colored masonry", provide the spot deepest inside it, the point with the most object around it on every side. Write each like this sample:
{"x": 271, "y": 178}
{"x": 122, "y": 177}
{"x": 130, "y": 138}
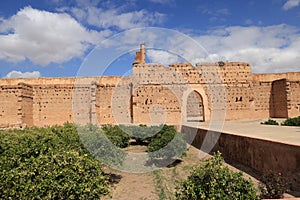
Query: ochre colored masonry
{"x": 153, "y": 94}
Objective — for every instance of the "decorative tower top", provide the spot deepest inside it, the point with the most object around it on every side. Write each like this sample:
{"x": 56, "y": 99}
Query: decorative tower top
{"x": 140, "y": 57}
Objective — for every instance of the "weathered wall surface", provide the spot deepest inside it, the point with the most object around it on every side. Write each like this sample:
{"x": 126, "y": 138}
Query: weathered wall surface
{"x": 279, "y": 104}
{"x": 260, "y": 155}
{"x": 293, "y": 98}
{"x": 26, "y": 104}
{"x": 113, "y": 100}
{"x": 10, "y": 115}
{"x": 262, "y": 98}
{"x": 154, "y": 94}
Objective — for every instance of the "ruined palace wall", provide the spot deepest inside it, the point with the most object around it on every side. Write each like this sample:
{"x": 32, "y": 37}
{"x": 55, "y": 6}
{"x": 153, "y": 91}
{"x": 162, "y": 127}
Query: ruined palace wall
{"x": 278, "y": 104}
{"x": 292, "y": 76}
{"x": 159, "y": 94}
{"x": 10, "y": 115}
{"x": 293, "y": 98}
{"x": 51, "y": 101}
{"x": 26, "y": 104}
{"x": 231, "y": 81}
{"x": 264, "y": 98}
{"x": 113, "y": 100}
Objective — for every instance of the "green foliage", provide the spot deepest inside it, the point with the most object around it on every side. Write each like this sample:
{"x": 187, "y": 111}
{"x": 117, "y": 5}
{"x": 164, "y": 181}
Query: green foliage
{"x": 48, "y": 163}
{"x": 292, "y": 122}
{"x": 270, "y": 122}
{"x": 103, "y": 144}
{"x": 273, "y": 186}
{"x": 212, "y": 180}
{"x": 167, "y": 144}
{"x": 142, "y": 133}
{"x": 116, "y": 135}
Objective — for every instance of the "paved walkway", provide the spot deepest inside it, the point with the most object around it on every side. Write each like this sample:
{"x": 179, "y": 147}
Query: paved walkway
{"x": 253, "y": 128}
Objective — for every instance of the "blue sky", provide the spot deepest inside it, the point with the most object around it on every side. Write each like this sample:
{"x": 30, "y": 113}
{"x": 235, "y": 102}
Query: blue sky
{"x": 55, "y": 38}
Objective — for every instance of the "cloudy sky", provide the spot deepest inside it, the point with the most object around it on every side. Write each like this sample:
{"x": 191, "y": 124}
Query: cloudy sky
{"x": 54, "y": 38}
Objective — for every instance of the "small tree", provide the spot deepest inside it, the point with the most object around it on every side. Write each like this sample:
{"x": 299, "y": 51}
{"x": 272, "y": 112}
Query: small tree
{"x": 214, "y": 181}
{"x": 273, "y": 185}
{"x": 167, "y": 144}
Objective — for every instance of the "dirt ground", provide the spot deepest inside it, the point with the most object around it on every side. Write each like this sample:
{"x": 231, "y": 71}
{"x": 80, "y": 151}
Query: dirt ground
{"x": 158, "y": 184}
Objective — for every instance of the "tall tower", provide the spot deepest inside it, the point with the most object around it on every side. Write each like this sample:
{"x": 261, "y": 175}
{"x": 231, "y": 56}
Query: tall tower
{"x": 140, "y": 57}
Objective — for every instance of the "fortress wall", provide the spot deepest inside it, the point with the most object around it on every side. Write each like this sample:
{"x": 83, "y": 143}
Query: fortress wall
{"x": 52, "y": 104}
{"x": 293, "y": 98}
{"x": 204, "y": 73}
{"x": 239, "y": 101}
{"x": 10, "y": 106}
{"x": 262, "y": 99}
{"x": 37, "y": 81}
{"x": 156, "y": 74}
{"x": 189, "y": 73}
{"x": 292, "y": 76}
{"x": 157, "y": 104}
{"x": 26, "y": 98}
{"x": 225, "y": 72}
{"x": 113, "y": 100}
{"x": 104, "y": 104}
{"x": 278, "y": 107}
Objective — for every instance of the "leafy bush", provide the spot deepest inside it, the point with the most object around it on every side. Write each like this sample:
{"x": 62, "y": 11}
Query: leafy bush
{"x": 270, "y": 122}
{"x": 103, "y": 147}
{"x": 167, "y": 144}
{"x": 273, "y": 186}
{"x": 48, "y": 163}
{"x": 292, "y": 122}
{"x": 142, "y": 134}
{"x": 116, "y": 135}
{"x": 214, "y": 181}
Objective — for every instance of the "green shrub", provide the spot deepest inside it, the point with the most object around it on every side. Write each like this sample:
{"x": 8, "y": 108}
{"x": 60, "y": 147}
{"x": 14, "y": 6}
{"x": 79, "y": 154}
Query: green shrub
{"x": 167, "y": 144}
{"x": 142, "y": 134}
{"x": 212, "y": 180}
{"x": 48, "y": 163}
{"x": 103, "y": 147}
{"x": 292, "y": 122}
{"x": 270, "y": 122}
{"x": 116, "y": 135}
{"x": 273, "y": 186}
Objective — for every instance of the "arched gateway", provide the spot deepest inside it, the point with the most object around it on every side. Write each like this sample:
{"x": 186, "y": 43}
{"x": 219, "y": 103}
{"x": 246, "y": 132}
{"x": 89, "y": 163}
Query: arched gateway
{"x": 194, "y": 107}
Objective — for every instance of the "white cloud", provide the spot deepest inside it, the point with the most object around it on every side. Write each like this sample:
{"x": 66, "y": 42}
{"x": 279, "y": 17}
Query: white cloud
{"x": 268, "y": 49}
{"x": 162, "y": 1}
{"x": 291, "y": 4}
{"x": 18, "y": 74}
{"x": 44, "y": 37}
{"x": 162, "y": 57}
{"x": 116, "y": 18}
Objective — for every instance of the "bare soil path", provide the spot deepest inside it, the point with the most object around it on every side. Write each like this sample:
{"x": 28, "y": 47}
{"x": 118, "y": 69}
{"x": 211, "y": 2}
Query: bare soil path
{"x": 159, "y": 184}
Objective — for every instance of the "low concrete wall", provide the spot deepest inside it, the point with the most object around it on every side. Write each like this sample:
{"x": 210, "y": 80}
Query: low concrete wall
{"x": 260, "y": 155}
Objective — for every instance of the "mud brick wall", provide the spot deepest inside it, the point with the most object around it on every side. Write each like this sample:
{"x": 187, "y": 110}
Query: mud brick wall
{"x": 293, "y": 98}
{"x": 10, "y": 113}
{"x": 26, "y": 104}
{"x": 52, "y": 104}
{"x": 113, "y": 100}
{"x": 156, "y": 104}
{"x": 279, "y": 104}
{"x": 154, "y": 93}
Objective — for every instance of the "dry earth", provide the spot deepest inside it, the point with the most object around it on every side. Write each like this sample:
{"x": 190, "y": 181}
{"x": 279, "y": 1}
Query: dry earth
{"x": 159, "y": 184}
